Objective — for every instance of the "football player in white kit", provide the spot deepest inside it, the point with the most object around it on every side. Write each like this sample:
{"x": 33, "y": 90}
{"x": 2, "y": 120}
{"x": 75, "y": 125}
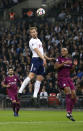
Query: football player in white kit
{"x": 38, "y": 62}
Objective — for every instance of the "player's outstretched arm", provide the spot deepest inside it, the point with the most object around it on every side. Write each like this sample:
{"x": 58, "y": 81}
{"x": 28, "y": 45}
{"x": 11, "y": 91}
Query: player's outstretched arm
{"x": 49, "y": 58}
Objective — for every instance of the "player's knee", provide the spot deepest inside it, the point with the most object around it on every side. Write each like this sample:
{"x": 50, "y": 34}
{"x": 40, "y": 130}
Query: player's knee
{"x": 73, "y": 95}
{"x": 67, "y": 90}
{"x": 37, "y": 83}
{"x": 14, "y": 101}
{"x": 31, "y": 75}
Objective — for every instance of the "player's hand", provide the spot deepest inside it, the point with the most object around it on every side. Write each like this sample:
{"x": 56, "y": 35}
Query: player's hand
{"x": 44, "y": 62}
{"x": 75, "y": 62}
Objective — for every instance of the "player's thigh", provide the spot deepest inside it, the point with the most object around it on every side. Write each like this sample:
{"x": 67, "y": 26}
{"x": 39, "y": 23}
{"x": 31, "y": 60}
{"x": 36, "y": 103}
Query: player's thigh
{"x": 13, "y": 101}
{"x": 67, "y": 90}
{"x": 73, "y": 94}
{"x": 64, "y": 85}
{"x": 31, "y": 75}
{"x": 71, "y": 84}
{"x": 39, "y": 78}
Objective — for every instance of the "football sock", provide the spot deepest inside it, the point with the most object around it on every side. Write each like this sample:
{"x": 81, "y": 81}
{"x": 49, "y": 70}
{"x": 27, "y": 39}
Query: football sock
{"x": 72, "y": 104}
{"x": 14, "y": 107}
{"x": 17, "y": 107}
{"x": 68, "y": 103}
{"x": 36, "y": 88}
{"x": 24, "y": 84}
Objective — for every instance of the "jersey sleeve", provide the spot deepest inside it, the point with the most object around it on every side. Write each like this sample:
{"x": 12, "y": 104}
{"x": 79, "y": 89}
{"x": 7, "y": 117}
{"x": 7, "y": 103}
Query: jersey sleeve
{"x": 5, "y": 81}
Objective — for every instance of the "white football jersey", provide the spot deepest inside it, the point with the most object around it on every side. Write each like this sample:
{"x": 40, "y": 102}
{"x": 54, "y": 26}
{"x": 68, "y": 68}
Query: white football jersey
{"x": 35, "y": 43}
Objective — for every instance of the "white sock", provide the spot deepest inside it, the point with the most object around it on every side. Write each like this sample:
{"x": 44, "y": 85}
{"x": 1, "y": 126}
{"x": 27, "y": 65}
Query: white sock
{"x": 24, "y": 84}
{"x": 36, "y": 88}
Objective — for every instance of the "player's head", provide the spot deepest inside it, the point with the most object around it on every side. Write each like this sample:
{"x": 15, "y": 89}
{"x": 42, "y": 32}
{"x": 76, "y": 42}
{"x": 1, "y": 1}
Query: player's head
{"x": 64, "y": 52}
{"x": 33, "y": 32}
{"x": 10, "y": 71}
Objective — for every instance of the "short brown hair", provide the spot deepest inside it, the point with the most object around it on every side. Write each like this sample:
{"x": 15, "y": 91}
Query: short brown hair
{"x": 32, "y": 28}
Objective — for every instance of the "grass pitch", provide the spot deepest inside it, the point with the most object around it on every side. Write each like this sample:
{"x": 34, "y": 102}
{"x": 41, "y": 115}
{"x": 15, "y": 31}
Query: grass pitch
{"x": 40, "y": 121}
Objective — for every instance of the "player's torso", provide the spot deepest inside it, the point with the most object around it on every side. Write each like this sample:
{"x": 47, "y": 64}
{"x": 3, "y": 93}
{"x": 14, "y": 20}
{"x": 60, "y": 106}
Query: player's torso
{"x": 65, "y": 70}
{"x": 38, "y": 46}
{"x": 12, "y": 81}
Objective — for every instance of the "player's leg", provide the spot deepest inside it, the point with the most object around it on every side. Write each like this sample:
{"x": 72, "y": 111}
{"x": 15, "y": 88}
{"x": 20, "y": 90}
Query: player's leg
{"x": 17, "y": 105}
{"x": 69, "y": 103}
{"x": 13, "y": 100}
{"x": 36, "y": 89}
{"x": 73, "y": 95}
{"x": 67, "y": 91}
{"x": 26, "y": 81}
{"x": 37, "y": 85}
{"x": 14, "y": 107}
{"x": 73, "y": 99}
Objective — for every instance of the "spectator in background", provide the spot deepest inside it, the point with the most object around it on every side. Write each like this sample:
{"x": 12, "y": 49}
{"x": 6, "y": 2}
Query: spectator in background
{"x": 43, "y": 96}
{"x": 80, "y": 74}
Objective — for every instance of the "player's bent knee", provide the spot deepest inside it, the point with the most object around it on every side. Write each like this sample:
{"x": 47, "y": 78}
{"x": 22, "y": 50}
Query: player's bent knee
{"x": 14, "y": 101}
{"x": 73, "y": 92}
{"x": 67, "y": 90}
{"x": 40, "y": 78}
{"x": 73, "y": 95}
{"x": 31, "y": 75}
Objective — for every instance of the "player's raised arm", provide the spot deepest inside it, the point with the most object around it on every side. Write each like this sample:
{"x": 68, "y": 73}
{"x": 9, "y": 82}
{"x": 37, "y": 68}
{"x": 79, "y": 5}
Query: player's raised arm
{"x": 75, "y": 63}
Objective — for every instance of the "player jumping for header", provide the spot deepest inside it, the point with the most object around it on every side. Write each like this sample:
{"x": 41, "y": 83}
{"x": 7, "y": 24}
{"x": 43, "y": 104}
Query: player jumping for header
{"x": 38, "y": 62}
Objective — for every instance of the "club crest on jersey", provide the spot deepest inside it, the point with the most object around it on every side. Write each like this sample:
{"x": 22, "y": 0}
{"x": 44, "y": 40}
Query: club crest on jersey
{"x": 40, "y": 46}
{"x": 64, "y": 84}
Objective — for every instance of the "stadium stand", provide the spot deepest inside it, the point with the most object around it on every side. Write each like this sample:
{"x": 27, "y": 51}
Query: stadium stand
{"x": 62, "y": 26}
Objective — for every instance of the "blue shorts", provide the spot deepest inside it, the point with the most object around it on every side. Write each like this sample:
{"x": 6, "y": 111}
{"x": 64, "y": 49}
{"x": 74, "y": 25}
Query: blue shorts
{"x": 37, "y": 66}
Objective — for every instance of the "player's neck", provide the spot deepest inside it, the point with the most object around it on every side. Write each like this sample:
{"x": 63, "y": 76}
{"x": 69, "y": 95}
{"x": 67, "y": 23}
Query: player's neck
{"x": 64, "y": 56}
{"x": 10, "y": 75}
{"x": 34, "y": 37}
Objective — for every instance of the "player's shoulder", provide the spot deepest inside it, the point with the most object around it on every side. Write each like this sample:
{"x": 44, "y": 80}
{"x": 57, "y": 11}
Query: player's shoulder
{"x": 31, "y": 40}
{"x": 16, "y": 76}
{"x": 6, "y": 78}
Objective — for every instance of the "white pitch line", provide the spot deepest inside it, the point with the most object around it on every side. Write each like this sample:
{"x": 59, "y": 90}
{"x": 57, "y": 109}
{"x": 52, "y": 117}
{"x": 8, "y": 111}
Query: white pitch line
{"x": 42, "y": 122}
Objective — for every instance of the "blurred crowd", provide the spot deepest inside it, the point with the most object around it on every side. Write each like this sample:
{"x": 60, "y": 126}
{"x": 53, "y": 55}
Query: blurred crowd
{"x": 8, "y": 3}
{"x": 65, "y": 31}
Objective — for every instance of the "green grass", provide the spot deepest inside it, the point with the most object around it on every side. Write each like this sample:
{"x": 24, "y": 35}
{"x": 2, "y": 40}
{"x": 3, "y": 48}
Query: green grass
{"x": 40, "y": 121}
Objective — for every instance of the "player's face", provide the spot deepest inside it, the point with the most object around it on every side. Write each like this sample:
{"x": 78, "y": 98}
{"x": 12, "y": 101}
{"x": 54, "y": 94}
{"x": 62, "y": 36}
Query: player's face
{"x": 64, "y": 52}
{"x": 33, "y": 33}
{"x": 10, "y": 72}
